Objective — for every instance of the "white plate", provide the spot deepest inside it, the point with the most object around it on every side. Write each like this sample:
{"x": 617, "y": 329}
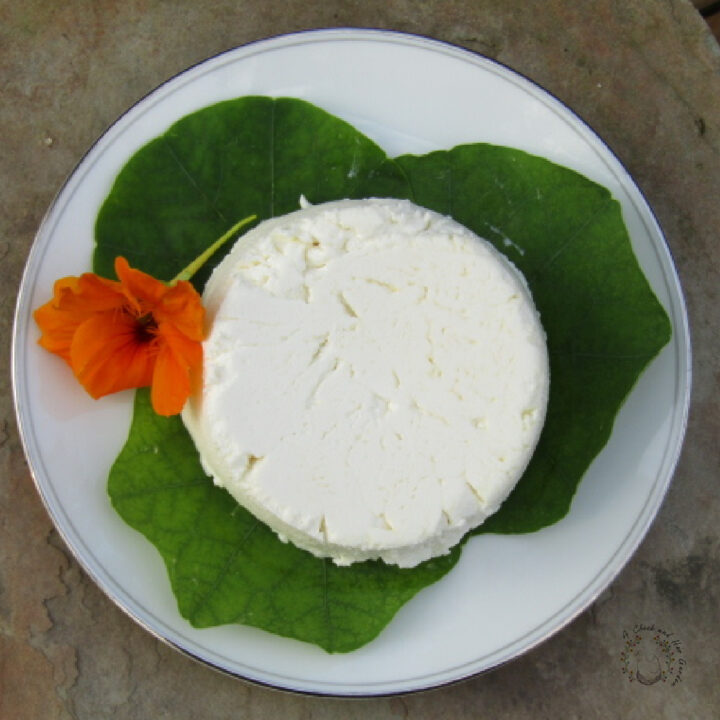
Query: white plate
{"x": 508, "y": 593}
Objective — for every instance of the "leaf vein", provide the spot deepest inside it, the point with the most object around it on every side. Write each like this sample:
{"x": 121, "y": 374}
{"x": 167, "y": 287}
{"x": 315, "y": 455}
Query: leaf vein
{"x": 155, "y": 490}
{"x": 574, "y": 235}
{"x": 222, "y": 573}
{"x": 272, "y": 159}
{"x": 195, "y": 184}
{"x": 602, "y": 356}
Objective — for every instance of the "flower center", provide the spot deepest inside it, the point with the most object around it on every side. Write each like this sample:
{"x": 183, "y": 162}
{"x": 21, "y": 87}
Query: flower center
{"x": 145, "y": 328}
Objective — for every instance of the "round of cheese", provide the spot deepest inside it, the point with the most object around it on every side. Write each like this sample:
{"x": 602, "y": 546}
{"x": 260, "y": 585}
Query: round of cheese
{"x": 375, "y": 379}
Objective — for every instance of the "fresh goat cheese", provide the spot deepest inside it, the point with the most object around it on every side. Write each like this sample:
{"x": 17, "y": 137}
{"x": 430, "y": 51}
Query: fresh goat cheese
{"x": 375, "y": 379}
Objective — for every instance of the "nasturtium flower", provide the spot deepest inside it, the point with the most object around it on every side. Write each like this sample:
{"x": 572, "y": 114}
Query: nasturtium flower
{"x": 132, "y": 332}
{"x": 127, "y": 333}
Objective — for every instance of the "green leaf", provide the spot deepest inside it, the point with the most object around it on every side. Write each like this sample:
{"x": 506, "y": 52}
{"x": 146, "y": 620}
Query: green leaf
{"x": 603, "y": 322}
{"x": 227, "y": 567}
{"x": 257, "y": 156}
{"x": 250, "y": 156}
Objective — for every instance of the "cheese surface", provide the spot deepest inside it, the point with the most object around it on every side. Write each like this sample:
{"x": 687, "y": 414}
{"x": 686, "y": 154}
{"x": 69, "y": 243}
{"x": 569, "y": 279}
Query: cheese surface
{"x": 375, "y": 379}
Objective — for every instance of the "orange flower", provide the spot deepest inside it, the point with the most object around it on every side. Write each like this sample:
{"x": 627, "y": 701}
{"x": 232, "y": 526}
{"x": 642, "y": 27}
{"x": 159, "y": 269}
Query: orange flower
{"x": 123, "y": 334}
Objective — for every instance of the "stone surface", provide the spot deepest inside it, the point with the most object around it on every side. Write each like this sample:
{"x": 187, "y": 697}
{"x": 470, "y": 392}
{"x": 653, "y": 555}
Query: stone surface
{"x": 644, "y": 73}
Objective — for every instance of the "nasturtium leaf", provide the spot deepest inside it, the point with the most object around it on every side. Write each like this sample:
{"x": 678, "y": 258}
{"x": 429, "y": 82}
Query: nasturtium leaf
{"x": 257, "y": 156}
{"x": 250, "y": 156}
{"x": 603, "y": 322}
{"x": 227, "y": 567}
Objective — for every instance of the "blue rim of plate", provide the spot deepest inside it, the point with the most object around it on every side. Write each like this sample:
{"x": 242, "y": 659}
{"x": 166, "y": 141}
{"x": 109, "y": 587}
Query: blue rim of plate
{"x": 637, "y": 533}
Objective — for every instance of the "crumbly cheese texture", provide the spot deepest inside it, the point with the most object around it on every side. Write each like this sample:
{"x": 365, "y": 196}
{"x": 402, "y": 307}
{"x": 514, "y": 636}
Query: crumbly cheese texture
{"x": 375, "y": 379}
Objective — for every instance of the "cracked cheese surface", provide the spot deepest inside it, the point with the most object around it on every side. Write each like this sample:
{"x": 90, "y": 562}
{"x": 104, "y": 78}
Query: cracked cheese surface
{"x": 375, "y": 379}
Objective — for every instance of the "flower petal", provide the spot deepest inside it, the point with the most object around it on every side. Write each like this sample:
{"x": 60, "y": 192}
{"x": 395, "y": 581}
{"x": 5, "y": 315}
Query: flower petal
{"x": 177, "y": 360}
{"x": 107, "y": 356}
{"x": 143, "y": 291}
{"x": 75, "y": 299}
{"x": 182, "y": 306}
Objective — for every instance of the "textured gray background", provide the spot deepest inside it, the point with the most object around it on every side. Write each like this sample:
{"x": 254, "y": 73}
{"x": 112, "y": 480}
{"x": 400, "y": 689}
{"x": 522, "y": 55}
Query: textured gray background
{"x": 644, "y": 73}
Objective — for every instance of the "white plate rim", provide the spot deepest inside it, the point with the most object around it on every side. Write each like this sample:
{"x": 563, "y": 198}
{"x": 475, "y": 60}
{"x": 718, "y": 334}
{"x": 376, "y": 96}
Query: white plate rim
{"x": 606, "y": 575}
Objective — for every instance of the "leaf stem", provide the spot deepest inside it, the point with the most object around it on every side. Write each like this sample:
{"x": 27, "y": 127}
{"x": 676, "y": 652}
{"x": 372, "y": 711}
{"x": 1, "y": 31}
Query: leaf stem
{"x": 187, "y": 272}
